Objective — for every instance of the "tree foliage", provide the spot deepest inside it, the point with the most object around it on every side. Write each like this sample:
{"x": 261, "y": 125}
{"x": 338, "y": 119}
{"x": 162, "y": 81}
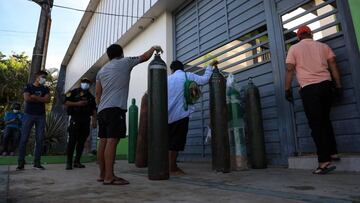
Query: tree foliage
{"x": 14, "y": 71}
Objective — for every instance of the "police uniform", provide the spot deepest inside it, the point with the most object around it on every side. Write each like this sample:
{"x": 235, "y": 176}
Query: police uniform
{"x": 79, "y": 127}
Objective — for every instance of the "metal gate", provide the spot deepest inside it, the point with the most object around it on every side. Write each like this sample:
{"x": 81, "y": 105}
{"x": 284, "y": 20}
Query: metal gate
{"x": 328, "y": 21}
{"x": 250, "y": 39}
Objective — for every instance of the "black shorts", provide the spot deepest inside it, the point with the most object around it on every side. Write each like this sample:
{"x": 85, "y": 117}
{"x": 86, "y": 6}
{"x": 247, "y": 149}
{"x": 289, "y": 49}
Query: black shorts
{"x": 177, "y": 134}
{"x": 112, "y": 123}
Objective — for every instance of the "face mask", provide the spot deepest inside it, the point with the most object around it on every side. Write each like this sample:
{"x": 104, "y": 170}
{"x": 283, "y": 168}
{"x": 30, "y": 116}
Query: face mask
{"x": 15, "y": 111}
{"x": 85, "y": 86}
{"x": 42, "y": 81}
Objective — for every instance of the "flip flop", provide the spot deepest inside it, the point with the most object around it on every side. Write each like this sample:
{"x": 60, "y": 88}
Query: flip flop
{"x": 324, "y": 170}
{"x": 116, "y": 182}
{"x": 115, "y": 177}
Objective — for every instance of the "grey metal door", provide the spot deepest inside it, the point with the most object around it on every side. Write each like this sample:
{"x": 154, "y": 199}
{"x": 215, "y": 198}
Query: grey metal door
{"x": 234, "y": 32}
{"x": 330, "y": 25}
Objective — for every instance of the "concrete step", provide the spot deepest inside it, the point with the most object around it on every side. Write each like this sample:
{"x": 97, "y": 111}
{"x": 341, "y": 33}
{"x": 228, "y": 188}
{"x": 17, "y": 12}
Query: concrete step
{"x": 350, "y": 163}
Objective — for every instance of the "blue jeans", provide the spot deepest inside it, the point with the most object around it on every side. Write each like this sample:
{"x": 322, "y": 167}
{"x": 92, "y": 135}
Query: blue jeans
{"x": 27, "y": 123}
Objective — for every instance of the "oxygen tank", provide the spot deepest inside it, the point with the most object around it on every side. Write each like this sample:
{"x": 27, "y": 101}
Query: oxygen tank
{"x": 254, "y": 125}
{"x": 133, "y": 130}
{"x": 142, "y": 139}
{"x": 238, "y": 153}
{"x": 158, "y": 163}
{"x": 219, "y": 126}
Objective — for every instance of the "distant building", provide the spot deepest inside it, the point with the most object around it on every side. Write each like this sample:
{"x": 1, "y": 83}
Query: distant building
{"x": 251, "y": 39}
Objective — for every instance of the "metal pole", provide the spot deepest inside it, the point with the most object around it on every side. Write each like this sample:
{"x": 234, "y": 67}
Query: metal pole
{"x": 42, "y": 34}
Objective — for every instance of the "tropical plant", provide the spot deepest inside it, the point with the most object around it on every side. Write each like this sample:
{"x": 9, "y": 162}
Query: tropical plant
{"x": 55, "y": 130}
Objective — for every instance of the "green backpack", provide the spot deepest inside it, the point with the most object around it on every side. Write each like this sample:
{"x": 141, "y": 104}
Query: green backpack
{"x": 192, "y": 92}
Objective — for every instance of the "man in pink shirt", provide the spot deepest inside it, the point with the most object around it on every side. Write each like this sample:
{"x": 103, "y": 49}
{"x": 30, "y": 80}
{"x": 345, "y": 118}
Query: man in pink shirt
{"x": 315, "y": 66}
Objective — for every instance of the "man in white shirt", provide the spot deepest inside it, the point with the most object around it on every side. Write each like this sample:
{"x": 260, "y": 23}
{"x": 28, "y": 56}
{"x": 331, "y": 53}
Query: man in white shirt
{"x": 178, "y": 114}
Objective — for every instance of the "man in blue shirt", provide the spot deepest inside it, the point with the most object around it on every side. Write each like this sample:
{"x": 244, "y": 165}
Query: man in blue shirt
{"x": 178, "y": 115}
{"x": 35, "y": 96}
{"x": 12, "y": 130}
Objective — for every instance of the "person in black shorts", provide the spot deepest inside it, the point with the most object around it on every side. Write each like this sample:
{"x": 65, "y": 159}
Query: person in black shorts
{"x": 112, "y": 88}
{"x": 178, "y": 111}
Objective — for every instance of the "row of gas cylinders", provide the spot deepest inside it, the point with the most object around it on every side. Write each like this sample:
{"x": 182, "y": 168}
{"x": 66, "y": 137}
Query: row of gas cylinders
{"x": 148, "y": 141}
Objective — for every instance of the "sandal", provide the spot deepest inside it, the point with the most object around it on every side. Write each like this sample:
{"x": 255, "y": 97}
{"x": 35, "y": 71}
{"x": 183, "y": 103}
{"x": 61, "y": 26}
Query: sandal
{"x": 115, "y": 178}
{"x": 117, "y": 182}
{"x": 322, "y": 171}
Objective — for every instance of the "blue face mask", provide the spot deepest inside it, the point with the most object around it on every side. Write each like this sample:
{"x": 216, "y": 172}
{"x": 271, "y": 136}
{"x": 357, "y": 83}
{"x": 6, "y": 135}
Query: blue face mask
{"x": 42, "y": 81}
{"x": 84, "y": 86}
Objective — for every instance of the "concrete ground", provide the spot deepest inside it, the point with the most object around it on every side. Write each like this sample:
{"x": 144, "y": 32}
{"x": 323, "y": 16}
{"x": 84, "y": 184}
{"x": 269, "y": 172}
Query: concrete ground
{"x": 199, "y": 185}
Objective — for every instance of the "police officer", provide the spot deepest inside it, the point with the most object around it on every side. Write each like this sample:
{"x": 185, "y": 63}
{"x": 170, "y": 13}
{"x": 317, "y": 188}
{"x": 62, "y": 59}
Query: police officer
{"x": 81, "y": 107}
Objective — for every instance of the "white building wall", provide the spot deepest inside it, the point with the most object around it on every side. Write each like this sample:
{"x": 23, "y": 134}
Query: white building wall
{"x": 102, "y": 31}
{"x": 158, "y": 33}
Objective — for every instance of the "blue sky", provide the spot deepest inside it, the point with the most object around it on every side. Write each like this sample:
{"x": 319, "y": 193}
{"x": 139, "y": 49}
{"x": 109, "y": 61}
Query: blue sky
{"x": 19, "y": 22}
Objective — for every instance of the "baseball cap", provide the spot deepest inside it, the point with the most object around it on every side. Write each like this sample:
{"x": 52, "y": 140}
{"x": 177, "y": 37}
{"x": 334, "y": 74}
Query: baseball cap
{"x": 303, "y": 29}
{"x": 85, "y": 80}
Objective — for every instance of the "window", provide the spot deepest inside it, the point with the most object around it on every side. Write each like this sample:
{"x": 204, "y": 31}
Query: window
{"x": 244, "y": 52}
{"x": 319, "y": 15}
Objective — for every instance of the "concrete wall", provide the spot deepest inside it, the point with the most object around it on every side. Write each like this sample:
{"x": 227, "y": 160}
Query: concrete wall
{"x": 158, "y": 33}
{"x": 355, "y": 12}
{"x": 102, "y": 31}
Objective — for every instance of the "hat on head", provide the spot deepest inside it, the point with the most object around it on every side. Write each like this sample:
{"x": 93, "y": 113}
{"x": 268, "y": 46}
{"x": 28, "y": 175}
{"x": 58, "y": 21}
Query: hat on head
{"x": 85, "y": 80}
{"x": 303, "y": 29}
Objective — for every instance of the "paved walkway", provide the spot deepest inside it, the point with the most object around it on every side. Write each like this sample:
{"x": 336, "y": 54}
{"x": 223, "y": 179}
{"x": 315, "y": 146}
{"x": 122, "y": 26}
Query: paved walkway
{"x": 4, "y": 180}
{"x": 200, "y": 185}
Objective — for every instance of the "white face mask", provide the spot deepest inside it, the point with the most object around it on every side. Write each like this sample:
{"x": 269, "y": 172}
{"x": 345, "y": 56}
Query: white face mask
{"x": 42, "y": 81}
{"x": 85, "y": 86}
{"x": 15, "y": 111}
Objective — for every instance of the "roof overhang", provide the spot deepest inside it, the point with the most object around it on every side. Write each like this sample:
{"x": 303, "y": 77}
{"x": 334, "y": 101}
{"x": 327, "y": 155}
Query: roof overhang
{"x": 93, "y": 4}
{"x": 154, "y": 12}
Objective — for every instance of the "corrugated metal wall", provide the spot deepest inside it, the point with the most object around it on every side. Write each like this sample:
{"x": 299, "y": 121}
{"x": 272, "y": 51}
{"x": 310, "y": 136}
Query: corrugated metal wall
{"x": 345, "y": 114}
{"x": 218, "y": 23}
{"x": 104, "y": 30}
{"x": 204, "y": 25}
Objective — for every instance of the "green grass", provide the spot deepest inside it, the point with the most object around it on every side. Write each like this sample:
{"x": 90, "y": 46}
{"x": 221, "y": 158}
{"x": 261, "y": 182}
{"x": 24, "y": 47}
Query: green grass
{"x": 121, "y": 154}
{"x": 12, "y": 160}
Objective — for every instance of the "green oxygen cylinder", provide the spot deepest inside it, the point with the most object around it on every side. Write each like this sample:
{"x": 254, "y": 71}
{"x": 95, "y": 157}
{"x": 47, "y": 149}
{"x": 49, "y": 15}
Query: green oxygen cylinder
{"x": 238, "y": 153}
{"x": 219, "y": 127}
{"x": 142, "y": 139}
{"x": 254, "y": 126}
{"x": 158, "y": 159}
{"x": 133, "y": 130}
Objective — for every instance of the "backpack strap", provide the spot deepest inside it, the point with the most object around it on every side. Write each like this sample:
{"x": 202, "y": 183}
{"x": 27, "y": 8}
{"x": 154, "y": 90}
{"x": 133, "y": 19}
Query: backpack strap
{"x": 185, "y": 102}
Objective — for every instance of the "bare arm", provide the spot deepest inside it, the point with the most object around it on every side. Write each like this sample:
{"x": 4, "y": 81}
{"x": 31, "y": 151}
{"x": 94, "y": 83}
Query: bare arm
{"x": 147, "y": 55}
{"x": 94, "y": 119}
{"x": 98, "y": 92}
{"x": 334, "y": 71}
{"x": 44, "y": 99}
{"x": 290, "y": 69}
{"x": 28, "y": 97}
{"x": 74, "y": 104}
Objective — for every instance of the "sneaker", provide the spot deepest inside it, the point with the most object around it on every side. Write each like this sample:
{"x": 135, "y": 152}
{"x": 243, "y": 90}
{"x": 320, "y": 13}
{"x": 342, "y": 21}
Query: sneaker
{"x": 79, "y": 165}
{"x": 4, "y": 154}
{"x": 20, "y": 167}
{"x": 38, "y": 167}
